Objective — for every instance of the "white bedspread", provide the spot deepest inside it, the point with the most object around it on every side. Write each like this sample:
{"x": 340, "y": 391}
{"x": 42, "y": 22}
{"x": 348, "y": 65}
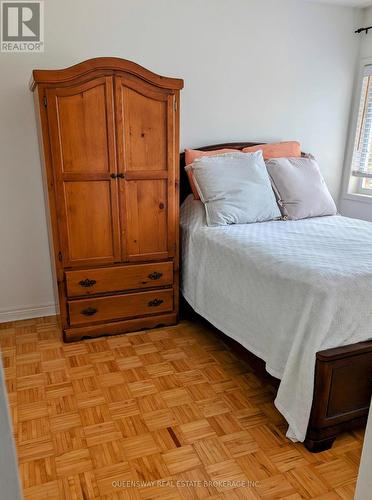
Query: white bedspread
{"x": 284, "y": 290}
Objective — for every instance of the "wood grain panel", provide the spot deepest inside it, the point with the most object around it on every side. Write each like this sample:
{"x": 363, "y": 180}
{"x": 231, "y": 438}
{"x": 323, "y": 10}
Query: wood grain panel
{"x": 113, "y": 279}
{"x": 83, "y": 130}
{"x": 120, "y": 306}
{"x": 146, "y": 226}
{"x": 145, "y": 129}
{"x": 89, "y": 221}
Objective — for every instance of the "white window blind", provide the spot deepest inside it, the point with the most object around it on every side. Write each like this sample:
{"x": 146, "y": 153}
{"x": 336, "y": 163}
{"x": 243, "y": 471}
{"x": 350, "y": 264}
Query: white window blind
{"x": 362, "y": 154}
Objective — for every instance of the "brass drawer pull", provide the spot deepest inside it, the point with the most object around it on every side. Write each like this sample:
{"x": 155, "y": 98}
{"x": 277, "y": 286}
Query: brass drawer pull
{"x": 116, "y": 176}
{"x": 155, "y": 275}
{"x": 155, "y": 302}
{"x": 89, "y": 311}
{"x": 87, "y": 283}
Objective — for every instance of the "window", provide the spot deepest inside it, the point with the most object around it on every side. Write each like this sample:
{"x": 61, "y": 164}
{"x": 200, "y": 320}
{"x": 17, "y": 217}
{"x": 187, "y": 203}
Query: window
{"x": 362, "y": 153}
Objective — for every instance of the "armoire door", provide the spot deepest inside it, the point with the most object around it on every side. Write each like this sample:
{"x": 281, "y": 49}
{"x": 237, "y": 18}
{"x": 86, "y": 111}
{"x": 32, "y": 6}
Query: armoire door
{"x": 82, "y": 131}
{"x": 145, "y": 120}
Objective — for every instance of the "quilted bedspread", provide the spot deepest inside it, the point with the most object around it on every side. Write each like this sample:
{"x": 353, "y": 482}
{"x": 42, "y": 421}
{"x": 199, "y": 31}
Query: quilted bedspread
{"x": 282, "y": 289}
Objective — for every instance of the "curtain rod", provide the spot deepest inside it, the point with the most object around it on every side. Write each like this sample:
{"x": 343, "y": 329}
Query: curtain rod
{"x": 359, "y": 30}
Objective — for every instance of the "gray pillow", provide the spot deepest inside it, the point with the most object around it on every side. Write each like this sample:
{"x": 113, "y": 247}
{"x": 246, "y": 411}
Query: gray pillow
{"x": 300, "y": 188}
{"x": 235, "y": 188}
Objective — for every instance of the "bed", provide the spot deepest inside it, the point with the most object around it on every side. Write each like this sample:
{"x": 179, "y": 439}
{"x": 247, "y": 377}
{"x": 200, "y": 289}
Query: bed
{"x": 297, "y": 295}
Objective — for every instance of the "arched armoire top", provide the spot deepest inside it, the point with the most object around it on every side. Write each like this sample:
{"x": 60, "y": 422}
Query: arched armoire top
{"x": 52, "y": 77}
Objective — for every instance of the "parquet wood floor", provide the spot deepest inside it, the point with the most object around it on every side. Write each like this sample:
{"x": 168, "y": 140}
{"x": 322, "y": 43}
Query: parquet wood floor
{"x": 171, "y": 404}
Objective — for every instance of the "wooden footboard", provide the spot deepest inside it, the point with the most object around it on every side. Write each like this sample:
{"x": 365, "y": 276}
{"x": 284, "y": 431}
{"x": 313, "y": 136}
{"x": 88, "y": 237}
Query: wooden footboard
{"x": 342, "y": 393}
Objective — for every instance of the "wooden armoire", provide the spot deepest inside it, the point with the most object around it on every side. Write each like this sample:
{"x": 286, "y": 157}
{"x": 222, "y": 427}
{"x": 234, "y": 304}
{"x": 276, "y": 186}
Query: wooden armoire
{"x": 109, "y": 137}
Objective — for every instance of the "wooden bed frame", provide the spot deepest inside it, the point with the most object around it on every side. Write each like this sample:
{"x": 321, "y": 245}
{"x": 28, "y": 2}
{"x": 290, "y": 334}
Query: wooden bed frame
{"x": 343, "y": 375}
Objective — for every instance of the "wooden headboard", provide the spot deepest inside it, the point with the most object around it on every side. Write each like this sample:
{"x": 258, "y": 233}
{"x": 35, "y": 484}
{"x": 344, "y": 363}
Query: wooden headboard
{"x": 185, "y": 189}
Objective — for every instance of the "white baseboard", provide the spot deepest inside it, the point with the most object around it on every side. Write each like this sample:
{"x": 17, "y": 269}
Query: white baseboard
{"x": 27, "y": 313}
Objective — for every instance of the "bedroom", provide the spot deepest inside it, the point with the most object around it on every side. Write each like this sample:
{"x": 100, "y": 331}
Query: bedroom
{"x": 262, "y": 390}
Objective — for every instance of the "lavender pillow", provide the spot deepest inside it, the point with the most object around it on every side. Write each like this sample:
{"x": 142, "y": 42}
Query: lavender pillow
{"x": 300, "y": 188}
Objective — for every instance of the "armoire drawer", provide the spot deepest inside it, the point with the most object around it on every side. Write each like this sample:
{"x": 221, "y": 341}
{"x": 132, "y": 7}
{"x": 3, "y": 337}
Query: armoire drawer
{"x": 115, "y": 307}
{"x": 118, "y": 278}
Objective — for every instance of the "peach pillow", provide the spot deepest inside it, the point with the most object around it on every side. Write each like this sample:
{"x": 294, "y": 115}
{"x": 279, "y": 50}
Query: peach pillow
{"x": 193, "y": 154}
{"x": 287, "y": 149}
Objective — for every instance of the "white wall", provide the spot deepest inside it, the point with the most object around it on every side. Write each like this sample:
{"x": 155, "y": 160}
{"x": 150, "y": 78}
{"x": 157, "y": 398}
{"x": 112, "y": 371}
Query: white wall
{"x": 253, "y": 70}
{"x": 354, "y": 205}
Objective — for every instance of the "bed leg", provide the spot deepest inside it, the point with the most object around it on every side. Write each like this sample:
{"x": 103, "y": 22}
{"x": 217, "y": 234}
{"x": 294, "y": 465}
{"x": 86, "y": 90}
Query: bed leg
{"x": 318, "y": 445}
